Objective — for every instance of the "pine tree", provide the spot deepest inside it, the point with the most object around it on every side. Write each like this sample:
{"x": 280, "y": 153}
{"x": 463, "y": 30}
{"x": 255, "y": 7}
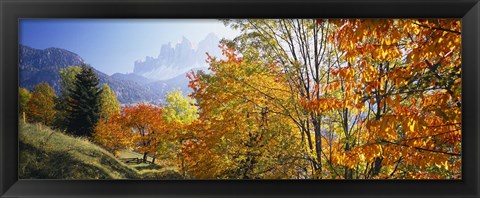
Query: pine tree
{"x": 67, "y": 82}
{"x": 84, "y": 103}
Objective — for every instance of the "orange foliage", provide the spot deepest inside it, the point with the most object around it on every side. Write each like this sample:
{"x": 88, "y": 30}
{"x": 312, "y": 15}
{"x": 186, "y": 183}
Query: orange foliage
{"x": 140, "y": 127}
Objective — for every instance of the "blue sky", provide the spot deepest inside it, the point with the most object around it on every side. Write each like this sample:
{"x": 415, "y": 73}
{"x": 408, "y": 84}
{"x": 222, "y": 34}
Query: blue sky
{"x": 113, "y": 45}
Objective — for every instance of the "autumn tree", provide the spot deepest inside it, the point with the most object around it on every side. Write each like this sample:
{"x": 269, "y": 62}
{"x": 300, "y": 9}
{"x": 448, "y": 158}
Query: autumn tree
{"x": 364, "y": 91}
{"x": 179, "y": 112}
{"x": 401, "y": 82}
{"x": 109, "y": 102}
{"x": 40, "y": 107}
{"x": 23, "y": 98}
{"x": 241, "y": 131}
{"x": 112, "y": 134}
{"x": 140, "y": 127}
{"x": 148, "y": 128}
{"x": 301, "y": 48}
{"x": 84, "y": 103}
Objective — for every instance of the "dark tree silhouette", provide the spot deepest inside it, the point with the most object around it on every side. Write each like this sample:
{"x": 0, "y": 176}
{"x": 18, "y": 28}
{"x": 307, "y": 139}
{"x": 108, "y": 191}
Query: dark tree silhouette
{"x": 84, "y": 103}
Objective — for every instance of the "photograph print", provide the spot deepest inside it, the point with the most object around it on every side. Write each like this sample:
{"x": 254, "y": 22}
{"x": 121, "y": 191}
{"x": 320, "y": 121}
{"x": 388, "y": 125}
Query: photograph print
{"x": 216, "y": 99}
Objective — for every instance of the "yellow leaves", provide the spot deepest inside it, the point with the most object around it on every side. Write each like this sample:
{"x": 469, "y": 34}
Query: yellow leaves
{"x": 397, "y": 100}
{"x": 382, "y": 62}
{"x": 332, "y": 86}
{"x": 322, "y": 105}
{"x": 411, "y": 125}
{"x": 416, "y": 30}
{"x": 369, "y": 73}
{"x": 346, "y": 73}
{"x": 251, "y": 99}
{"x": 440, "y": 40}
{"x": 387, "y": 41}
{"x": 384, "y": 54}
{"x": 351, "y": 45}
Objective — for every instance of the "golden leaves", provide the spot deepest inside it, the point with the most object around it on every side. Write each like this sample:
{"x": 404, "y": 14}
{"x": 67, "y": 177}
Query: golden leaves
{"x": 392, "y": 98}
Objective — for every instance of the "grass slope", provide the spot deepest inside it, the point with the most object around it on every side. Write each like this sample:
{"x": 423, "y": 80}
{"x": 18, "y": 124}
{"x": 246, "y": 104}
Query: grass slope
{"x": 150, "y": 171}
{"x": 49, "y": 154}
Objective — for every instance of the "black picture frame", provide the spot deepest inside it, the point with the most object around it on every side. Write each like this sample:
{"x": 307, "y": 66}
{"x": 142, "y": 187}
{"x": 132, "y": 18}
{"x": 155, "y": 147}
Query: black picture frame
{"x": 12, "y": 10}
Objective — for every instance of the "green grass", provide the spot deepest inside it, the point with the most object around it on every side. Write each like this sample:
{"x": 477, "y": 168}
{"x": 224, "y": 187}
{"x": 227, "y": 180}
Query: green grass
{"x": 50, "y": 154}
{"x": 131, "y": 154}
{"x": 147, "y": 170}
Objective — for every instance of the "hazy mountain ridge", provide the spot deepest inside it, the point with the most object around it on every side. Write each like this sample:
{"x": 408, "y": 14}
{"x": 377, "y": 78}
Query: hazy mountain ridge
{"x": 38, "y": 66}
{"x": 179, "y": 59}
{"x": 132, "y": 77}
{"x": 149, "y": 82}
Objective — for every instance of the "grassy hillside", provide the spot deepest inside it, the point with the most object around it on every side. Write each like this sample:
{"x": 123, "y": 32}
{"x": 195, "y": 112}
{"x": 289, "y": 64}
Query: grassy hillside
{"x": 49, "y": 154}
{"x": 150, "y": 171}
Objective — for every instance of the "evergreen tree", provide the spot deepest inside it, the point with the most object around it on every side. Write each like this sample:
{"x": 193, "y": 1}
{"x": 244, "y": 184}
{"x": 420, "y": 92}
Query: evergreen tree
{"x": 67, "y": 80}
{"x": 84, "y": 103}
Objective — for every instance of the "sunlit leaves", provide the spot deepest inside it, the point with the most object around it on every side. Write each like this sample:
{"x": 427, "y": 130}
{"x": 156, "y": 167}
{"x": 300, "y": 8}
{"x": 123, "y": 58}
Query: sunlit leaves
{"x": 140, "y": 127}
{"x": 109, "y": 104}
{"x": 40, "y": 107}
{"x": 327, "y": 98}
{"x": 242, "y": 131}
{"x": 407, "y": 72}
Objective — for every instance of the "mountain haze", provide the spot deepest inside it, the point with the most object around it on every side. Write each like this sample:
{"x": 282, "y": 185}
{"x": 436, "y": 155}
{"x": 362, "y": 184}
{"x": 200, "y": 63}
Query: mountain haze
{"x": 179, "y": 59}
{"x": 150, "y": 80}
{"x": 38, "y": 66}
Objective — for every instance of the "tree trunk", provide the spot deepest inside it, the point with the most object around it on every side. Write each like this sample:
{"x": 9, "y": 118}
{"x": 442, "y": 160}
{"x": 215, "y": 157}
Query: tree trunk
{"x": 318, "y": 143}
{"x": 145, "y": 157}
{"x": 348, "y": 171}
{"x": 184, "y": 173}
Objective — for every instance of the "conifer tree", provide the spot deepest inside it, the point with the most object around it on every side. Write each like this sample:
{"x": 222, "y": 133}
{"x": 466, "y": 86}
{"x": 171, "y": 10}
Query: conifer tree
{"x": 84, "y": 103}
{"x": 67, "y": 82}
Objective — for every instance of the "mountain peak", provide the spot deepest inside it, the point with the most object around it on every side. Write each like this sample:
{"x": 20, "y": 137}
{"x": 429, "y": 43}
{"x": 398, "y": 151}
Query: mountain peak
{"x": 211, "y": 36}
{"x": 185, "y": 40}
{"x": 173, "y": 61}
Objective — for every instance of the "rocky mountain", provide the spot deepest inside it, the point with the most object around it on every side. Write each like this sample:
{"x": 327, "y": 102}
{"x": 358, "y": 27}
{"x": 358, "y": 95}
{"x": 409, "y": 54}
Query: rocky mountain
{"x": 149, "y": 82}
{"x": 36, "y": 66}
{"x": 179, "y": 59}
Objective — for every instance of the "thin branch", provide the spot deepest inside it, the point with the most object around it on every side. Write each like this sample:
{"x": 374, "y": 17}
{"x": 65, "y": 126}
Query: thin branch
{"x": 438, "y": 28}
{"x": 422, "y": 149}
